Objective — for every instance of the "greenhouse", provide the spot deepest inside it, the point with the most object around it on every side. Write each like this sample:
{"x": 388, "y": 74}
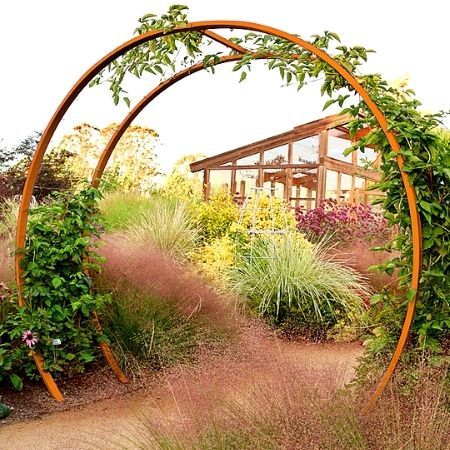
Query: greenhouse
{"x": 302, "y": 166}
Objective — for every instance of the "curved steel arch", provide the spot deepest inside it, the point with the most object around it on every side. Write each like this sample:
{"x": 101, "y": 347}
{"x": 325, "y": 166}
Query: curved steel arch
{"x": 202, "y": 26}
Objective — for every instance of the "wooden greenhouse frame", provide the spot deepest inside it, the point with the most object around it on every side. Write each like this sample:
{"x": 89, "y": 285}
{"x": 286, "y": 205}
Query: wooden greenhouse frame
{"x": 299, "y": 168}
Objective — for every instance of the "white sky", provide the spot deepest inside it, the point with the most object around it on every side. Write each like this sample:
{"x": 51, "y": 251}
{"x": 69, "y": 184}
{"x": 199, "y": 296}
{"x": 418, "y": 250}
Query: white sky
{"x": 48, "y": 44}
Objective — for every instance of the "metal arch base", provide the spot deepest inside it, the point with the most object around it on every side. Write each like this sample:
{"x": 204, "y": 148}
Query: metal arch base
{"x": 204, "y": 26}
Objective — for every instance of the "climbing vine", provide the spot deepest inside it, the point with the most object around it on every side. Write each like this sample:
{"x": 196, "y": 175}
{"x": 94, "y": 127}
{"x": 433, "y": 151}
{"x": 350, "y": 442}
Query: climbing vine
{"x": 58, "y": 294}
{"x": 426, "y": 152}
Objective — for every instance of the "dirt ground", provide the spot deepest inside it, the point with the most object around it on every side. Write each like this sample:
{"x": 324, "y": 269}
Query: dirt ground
{"x": 110, "y": 423}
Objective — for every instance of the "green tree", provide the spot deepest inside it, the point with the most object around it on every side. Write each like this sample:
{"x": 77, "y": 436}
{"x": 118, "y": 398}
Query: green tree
{"x": 181, "y": 182}
{"x": 54, "y": 173}
{"x": 132, "y": 166}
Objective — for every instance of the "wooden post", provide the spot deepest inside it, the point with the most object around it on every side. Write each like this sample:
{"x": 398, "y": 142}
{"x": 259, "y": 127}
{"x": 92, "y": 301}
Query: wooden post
{"x": 272, "y": 188}
{"x": 321, "y": 184}
{"x": 242, "y": 189}
{"x": 352, "y": 189}
{"x": 323, "y": 146}
{"x": 309, "y": 201}
{"x": 288, "y": 185}
{"x": 233, "y": 179}
{"x": 338, "y": 188}
{"x": 290, "y": 152}
{"x": 289, "y": 175}
{"x": 297, "y": 195}
{"x": 366, "y": 197}
{"x": 206, "y": 185}
{"x": 322, "y": 170}
{"x": 260, "y": 180}
{"x": 356, "y": 196}
{"x": 355, "y": 158}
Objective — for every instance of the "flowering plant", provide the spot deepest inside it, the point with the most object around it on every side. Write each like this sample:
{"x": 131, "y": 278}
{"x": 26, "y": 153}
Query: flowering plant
{"x": 343, "y": 222}
{"x": 29, "y": 338}
{"x": 57, "y": 292}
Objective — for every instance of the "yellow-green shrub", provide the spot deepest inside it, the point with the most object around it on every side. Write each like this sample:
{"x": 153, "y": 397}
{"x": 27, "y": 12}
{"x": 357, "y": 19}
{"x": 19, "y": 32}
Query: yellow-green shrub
{"x": 215, "y": 217}
{"x": 268, "y": 213}
{"x": 215, "y": 258}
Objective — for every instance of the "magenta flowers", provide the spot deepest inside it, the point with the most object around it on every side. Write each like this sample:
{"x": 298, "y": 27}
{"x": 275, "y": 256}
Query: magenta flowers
{"x": 29, "y": 338}
{"x": 344, "y": 222}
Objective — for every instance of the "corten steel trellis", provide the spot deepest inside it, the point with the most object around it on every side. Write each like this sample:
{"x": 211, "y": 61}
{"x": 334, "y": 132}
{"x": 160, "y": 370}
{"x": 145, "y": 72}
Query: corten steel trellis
{"x": 205, "y": 27}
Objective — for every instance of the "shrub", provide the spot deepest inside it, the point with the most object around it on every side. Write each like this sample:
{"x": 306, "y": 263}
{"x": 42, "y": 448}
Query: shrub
{"x": 169, "y": 227}
{"x": 228, "y": 230}
{"x": 215, "y": 217}
{"x": 181, "y": 183}
{"x": 290, "y": 281}
{"x": 54, "y": 173}
{"x": 343, "y": 223}
{"x": 263, "y": 212}
{"x": 57, "y": 292}
{"x": 215, "y": 258}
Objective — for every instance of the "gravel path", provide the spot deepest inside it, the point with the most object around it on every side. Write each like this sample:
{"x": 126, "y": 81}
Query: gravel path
{"x": 109, "y": 424}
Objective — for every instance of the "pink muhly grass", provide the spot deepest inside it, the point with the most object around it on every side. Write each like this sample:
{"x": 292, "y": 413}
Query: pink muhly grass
{"x": 151, "y": 271}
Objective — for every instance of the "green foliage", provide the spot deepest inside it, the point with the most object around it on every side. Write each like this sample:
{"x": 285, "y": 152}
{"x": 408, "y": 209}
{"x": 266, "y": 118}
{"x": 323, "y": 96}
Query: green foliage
{"x": 385, "y": 317}
{"x": 427, "y": 165}
{"x": 119, "y": 210}
{"x": 132, "y": 166}
{"x": 54, "y": 173}
{"x": 297, "y": 284}
{"x": 169, "y": 227}
{"x": 149, "y": 332}
{"x": 181, "y": 183}
{"x": 214, "y": 259}
{"x": 5, "y": 411}
{"x": 263, "y": 216}
{"x": 215, "y": 217}
{"x": 153, "y": 57}
{"x": 267, "y": 213}
{"x": 57, "y": 291}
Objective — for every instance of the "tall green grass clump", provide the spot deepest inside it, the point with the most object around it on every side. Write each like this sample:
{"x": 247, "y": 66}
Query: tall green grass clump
{"x": 169, "y": 227}
{"x": 149, "y": 332}
{"x": 299, "y": 285}
{"x": 119, "y": 210}
{"x": 9, "y": 211}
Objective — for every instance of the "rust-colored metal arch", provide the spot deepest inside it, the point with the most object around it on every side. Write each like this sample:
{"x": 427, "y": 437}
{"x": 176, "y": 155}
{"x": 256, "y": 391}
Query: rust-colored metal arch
{"x": 203, "y": 27}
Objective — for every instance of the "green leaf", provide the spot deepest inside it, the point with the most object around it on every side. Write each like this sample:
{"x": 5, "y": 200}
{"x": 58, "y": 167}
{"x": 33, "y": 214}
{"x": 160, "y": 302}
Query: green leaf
{"x": 16, "y": 382}
{"x": 376, "y": 299}
{"x": 56, "y": 282}
{"x": 410, "y": 294}
{"x": 328, "y": 103}
{"x": 243, "y": 76}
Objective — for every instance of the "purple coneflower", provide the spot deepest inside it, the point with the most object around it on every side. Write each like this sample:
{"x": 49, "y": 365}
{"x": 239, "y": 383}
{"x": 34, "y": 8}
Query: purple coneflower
{"x": 29, "y": 338}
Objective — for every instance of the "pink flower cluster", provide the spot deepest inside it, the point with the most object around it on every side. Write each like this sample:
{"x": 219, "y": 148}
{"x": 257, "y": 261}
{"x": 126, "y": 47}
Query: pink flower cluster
{"x": 29, "y": 338}
{"x": 344, "y": 222}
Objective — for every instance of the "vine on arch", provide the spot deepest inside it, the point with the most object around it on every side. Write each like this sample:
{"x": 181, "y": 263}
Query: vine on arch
{"x": 426, "y": 152}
